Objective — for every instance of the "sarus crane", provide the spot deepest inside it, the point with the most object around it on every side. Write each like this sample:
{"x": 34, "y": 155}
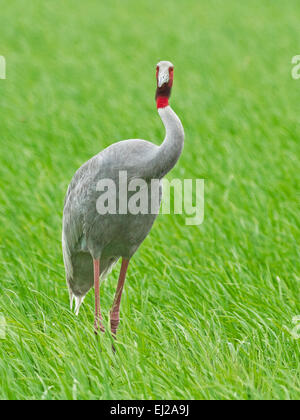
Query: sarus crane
{"x": 93, "y": 242}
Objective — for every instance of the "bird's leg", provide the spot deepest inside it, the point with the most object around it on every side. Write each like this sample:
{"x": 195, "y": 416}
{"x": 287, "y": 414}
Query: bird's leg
{"x": 115, "y": 311}
{"x": 98, "y": 317}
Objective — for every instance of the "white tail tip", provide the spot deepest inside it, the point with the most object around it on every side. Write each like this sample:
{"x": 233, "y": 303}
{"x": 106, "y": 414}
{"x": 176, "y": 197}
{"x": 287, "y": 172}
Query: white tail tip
{"x": 78, "y": 302}
{"x": 71, "y": 300}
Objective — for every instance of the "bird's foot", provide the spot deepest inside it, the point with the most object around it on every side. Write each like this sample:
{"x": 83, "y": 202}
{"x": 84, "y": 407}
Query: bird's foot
{"x": 98, "y": 326}
{"x": 97, "y": 329}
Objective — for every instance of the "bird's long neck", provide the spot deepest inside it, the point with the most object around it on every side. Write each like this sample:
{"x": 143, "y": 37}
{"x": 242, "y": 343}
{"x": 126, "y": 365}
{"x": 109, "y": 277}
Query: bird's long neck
{"x": 171, "y": 148}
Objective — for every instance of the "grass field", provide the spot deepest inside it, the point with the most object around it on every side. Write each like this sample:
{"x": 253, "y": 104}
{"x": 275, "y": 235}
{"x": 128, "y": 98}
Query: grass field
{"x": 207, "y": 311}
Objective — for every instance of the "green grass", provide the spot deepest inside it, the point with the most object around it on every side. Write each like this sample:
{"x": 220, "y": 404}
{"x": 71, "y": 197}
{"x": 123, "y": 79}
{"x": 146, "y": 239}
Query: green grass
{"x": 207, "y": 310}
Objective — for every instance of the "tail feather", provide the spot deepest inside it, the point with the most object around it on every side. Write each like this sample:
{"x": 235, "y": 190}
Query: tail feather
{"x": 71, "y": 299}
{"x": 78, "y": 302}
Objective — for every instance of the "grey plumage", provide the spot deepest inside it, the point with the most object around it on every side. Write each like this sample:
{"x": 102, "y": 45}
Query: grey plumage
{"x": 88, "y": 235}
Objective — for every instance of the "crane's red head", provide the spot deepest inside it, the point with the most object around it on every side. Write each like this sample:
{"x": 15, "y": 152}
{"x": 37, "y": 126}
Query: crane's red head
{"x": 164, "y": 77}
